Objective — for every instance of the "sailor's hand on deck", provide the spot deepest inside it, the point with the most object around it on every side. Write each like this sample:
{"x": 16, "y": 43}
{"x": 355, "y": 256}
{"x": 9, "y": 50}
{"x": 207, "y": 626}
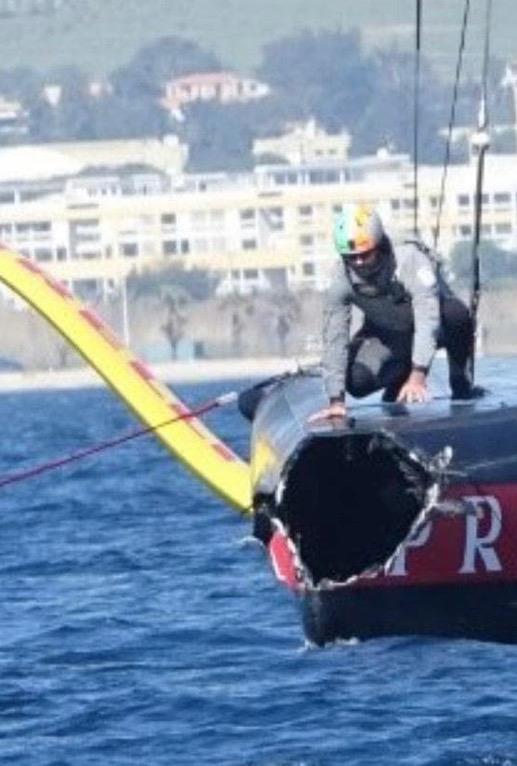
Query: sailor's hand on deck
{"x": 414, "y": 389}
{"x": 335, "y": 411}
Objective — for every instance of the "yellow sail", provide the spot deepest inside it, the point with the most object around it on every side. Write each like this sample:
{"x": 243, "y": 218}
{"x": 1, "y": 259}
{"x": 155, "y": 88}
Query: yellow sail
{"x": 189, "y": 440}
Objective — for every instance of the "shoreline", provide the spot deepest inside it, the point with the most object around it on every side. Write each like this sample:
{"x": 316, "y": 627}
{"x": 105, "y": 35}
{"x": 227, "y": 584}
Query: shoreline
{"x": 196, "y": 371}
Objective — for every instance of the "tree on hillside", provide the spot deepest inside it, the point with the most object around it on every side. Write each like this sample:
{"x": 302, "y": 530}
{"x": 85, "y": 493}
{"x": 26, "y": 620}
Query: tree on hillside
{"x": 133, "y": 109}
{"x": 116, "y": 116}
{"x": 219, "y": 137}
{"x": 496, "y": 264}
{"x": 22, "y": 84}
{"x": 320, "y": 74}
{"x": 389, "y": 115}
{"x": 159, "y": 62}
{"x": 71, "y": 117}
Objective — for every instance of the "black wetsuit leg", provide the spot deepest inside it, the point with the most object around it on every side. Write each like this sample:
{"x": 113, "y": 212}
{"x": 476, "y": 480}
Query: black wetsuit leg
{"x": 374, "y": 366}
{"x": 457, "y": 336}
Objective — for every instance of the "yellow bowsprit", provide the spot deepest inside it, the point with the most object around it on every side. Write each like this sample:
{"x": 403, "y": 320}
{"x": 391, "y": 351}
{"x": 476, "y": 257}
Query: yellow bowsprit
{"x": 188, "y": 440}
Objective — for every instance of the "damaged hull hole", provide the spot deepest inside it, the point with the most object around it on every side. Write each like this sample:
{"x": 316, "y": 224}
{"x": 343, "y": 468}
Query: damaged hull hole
{"x": 393, "y": 523}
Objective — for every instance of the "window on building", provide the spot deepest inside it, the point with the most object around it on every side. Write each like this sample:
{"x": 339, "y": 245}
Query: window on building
{"x": 274, "y": 217}
{"x": 169, "y": 247}
{"x": 29, "y": 195}
{"x": 85, "y": 288}
{"x": 250, "y": 273}
{"x": 434, "y": 201}
{"x": 337, "y": 209}
{"x": 395, "y": 204}
{"x": 282, "y": 179}
{"x": 129, "y": 249}
{"x": 33, "y": 229}
{"x": 503, "y": 228}
{"x": 249, "y": 244}
{"x": 43, "y": 254}
{"x": 308, "y": 269}
{"x": 323, "y": 177}
{"x": 6, "y": 198}
{"x": 62, "y": 254}
{"x": 184, "y": 246}
{"x": 465, "y": 230}
{"x": 247, "y": 215}
{"x": 502, "y": 199}
{"x": 463, "y": 200}
{"x": 90, "y": 255}
{"x": 305, "y": 211}
{"x": 307, "y": 243}
{"x": 169, "y": 219}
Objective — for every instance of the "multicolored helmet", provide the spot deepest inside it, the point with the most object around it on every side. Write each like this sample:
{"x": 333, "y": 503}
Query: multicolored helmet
{"x": 357, "y": 230}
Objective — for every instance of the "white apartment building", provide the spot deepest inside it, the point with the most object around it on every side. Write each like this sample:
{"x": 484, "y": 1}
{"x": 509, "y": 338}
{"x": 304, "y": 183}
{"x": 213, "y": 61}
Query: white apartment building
{"x": 305, "y": 143}
{"x": 64, "y": 160}
{"x": 271, "y": 228}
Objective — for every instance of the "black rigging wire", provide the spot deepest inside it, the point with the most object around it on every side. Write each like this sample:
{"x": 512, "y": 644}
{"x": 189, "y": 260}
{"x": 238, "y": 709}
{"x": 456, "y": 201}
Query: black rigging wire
{"x": 452, "y": 119}
{"x": 416, "y": 106}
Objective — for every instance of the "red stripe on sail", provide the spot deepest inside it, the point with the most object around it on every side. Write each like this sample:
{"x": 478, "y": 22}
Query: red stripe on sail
{"x": 223, "y": 451}
{"x": 142, "y": 370}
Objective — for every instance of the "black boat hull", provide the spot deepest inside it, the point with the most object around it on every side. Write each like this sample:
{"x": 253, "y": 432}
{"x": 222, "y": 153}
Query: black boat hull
{"x": 374, "y": 530}
{"x": 486, "y": 612}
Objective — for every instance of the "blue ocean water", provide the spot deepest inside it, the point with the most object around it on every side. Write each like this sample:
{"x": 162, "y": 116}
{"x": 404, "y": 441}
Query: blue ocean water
{"x": 137, "y": 625}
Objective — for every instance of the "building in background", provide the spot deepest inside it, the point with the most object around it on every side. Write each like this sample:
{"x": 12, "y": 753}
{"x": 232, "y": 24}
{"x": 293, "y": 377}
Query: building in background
{"x": 51, "y": 160}
{"x": 14, "y": 119}
{"x": 221, "y": 87}
{"x": 268, "y": 229}
{"x": 305, "y": 143}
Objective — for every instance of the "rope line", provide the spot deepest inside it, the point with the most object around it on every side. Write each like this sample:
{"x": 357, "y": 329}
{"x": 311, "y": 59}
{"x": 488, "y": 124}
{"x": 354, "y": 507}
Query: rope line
{"x": 52, "y": 465}
{"x": 452, "y": 120}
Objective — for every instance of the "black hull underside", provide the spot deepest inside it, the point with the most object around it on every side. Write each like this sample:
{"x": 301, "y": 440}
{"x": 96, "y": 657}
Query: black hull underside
{"x": 481, "y": 611}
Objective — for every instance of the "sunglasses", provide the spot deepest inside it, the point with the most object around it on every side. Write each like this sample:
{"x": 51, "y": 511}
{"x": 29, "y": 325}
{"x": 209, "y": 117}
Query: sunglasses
{"x": 367, "y": 257}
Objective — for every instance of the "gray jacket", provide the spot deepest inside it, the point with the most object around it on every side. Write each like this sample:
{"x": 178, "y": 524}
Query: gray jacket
{"x": 415, "y": 270}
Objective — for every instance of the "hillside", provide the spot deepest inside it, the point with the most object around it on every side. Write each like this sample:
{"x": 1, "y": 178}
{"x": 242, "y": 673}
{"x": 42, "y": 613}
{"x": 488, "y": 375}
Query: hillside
{"x": 101, "y": 35}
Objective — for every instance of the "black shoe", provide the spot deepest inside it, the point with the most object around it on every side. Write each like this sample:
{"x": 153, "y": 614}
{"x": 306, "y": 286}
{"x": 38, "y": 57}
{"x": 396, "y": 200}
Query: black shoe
{"x": 468, "y": 392}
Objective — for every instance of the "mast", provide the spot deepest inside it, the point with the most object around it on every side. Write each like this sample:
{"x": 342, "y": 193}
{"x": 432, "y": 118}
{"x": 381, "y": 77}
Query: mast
{"x": 416, "y": 103}
{"x": 480, "y": 143}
